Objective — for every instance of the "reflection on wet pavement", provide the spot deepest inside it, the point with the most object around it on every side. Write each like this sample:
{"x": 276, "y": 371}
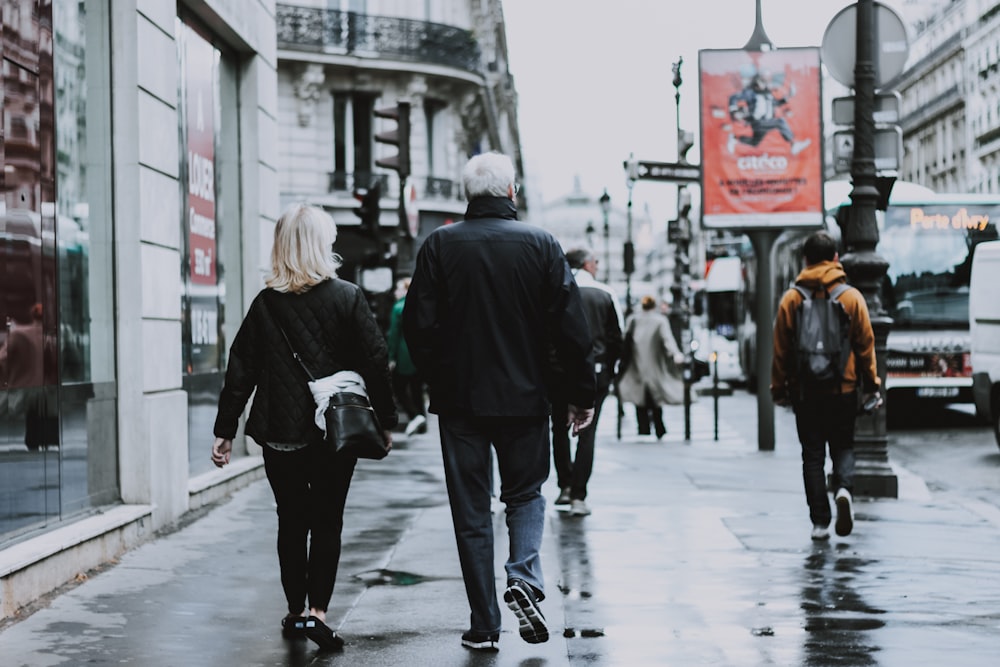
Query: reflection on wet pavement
{"x": 837, "y": 620}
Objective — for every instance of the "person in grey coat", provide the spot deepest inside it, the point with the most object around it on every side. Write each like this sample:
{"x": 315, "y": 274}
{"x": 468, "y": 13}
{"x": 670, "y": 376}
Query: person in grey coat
{"x": 650, "y": 372}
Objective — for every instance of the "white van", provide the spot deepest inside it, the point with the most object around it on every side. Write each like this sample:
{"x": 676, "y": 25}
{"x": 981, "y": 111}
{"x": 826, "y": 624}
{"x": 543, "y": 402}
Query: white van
{"x": 984, "y": 325}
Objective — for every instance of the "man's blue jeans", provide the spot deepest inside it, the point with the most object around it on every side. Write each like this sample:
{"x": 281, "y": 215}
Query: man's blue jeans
{"x": 821, "y": 420}
{"x": 522, "y": 448}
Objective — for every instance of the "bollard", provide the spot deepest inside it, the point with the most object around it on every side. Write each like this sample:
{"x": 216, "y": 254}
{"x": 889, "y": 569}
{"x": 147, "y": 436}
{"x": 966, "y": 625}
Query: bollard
{"x": 688, "y": 362}
{"x": 715, "y": 391}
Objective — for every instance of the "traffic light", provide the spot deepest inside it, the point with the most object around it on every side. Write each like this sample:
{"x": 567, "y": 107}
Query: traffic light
{"x": 369, "y": 210}
{"x": 400, "y": 137}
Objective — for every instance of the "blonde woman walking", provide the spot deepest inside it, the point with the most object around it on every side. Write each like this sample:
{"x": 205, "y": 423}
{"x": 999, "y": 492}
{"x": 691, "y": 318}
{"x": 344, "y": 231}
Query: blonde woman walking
{"x": 329, "y": 323}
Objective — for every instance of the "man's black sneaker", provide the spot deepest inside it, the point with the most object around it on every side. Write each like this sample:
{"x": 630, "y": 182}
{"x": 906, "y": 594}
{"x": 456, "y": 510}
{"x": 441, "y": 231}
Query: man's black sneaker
{"x": 845, "y": 513}
{"x": 481, "y": 641}
{"x": 520, "y": 598}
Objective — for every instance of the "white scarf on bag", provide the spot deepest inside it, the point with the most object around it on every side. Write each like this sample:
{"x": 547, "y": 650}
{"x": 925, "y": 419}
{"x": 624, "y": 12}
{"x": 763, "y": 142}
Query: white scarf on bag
{"x": 323, "y": 388}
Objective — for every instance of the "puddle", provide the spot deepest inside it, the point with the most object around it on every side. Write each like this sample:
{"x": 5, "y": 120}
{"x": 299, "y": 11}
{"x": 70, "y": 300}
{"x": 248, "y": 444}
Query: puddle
{"x": 385, "y": 577}
{"x": 569, "y": 633}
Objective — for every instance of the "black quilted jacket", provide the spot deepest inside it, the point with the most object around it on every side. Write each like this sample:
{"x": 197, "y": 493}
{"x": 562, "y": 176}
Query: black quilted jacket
{"x": 332, "y": 327}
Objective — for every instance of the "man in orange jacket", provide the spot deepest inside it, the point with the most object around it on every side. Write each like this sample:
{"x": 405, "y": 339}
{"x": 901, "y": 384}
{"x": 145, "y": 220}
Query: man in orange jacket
{"x": 825, "y": 415}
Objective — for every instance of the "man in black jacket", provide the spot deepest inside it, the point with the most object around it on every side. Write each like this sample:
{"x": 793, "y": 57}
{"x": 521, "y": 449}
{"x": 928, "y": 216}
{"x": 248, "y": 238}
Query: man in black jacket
{"x": 604, "y": 316}
{"x": 489, "y": 297}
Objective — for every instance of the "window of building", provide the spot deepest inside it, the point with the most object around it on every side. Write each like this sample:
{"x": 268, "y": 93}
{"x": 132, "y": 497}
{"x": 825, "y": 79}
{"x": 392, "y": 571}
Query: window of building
{"x": 352, "y": 140}
{"x": 58, "y": 428}
{"x": 209, "y": 180}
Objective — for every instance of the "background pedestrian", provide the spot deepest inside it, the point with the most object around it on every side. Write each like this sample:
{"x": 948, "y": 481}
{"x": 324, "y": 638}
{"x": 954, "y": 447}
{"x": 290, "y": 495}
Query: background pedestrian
{"x": 605, "y": 319}
{"x": 650, "y": 374}
{"x": 406, "y": 382}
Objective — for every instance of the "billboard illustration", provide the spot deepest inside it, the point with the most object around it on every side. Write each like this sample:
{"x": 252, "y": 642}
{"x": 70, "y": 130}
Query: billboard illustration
{"x": 761, "y": 138}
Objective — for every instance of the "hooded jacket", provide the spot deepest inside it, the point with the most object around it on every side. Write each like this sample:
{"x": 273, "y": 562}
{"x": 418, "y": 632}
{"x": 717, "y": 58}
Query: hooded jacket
{"x": 488, "y": 296}
{"x": 860, "y": 369}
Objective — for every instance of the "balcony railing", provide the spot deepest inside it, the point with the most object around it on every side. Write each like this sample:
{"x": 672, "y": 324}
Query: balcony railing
{"x": 439, "y": 189}
{"x": 363, "y": 35}
{"x": 342, "y": 181}
{"x": 442, "y": 188}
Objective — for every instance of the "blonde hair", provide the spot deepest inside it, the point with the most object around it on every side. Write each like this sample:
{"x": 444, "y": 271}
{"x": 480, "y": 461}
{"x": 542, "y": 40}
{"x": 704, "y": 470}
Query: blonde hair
{"x": 302, "y": 254}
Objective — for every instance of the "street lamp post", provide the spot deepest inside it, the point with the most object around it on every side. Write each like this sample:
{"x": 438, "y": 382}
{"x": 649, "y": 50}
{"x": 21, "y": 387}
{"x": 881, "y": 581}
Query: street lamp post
{"x": 631, "y": 176}
{"x": 864, "y": 266}
{"x": 605, "y": 201}
{"x": 680, "y": 316}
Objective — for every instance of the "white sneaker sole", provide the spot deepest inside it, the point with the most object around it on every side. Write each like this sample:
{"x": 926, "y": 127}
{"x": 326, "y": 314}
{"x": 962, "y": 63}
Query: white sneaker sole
{"x": 486, "y": 645}
{"x": 531, "y": 623}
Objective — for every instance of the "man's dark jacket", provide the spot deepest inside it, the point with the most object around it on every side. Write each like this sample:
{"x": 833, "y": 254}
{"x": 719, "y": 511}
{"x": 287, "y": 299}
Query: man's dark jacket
{"x": 487, "y": 298}
{"x": 332, "y": 327}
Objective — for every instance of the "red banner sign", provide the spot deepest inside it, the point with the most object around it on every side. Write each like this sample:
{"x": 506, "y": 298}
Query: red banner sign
{"x": 761, "y": 138}
{"x": 200, "y": 128}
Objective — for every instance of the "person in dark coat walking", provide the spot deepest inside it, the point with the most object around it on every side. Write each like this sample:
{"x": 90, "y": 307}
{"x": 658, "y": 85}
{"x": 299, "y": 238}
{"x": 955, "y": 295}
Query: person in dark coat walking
{"x": 489, "y": 297}
{"x": 604, "y": 316}
{"x": 329, "y": 323}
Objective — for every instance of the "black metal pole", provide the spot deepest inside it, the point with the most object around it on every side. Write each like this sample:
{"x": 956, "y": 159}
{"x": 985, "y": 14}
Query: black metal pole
{"x": 631, "y": 176}
{"x": 763, "y": 243}
{"x": 681, "y": 309}
{"x": 605, "y": 209}
{"x": 627, "y": 258}
{"x": 864, "y": 266}
{"x": 715, "y": 392}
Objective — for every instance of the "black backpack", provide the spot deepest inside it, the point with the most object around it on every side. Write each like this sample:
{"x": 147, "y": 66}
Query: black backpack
{"x": 822, "y": 339}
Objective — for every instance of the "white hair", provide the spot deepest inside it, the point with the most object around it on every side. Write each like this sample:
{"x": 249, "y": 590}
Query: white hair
{"x": 488, "y": 174}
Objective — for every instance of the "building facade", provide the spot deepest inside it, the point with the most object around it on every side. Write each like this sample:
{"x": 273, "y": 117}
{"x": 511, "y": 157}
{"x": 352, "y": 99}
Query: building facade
{"x": 140, "y": 190}
{"x": 950, "y": 91}
{"x": 340, "y": 61}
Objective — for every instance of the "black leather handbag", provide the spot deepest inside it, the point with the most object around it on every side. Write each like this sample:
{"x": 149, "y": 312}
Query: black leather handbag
{"x": 352, "y": 427}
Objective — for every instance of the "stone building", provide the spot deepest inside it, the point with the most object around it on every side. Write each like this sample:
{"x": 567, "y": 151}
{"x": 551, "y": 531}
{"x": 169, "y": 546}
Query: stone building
{"x": 140, "y": 191}
{"x": 446, "y": 61}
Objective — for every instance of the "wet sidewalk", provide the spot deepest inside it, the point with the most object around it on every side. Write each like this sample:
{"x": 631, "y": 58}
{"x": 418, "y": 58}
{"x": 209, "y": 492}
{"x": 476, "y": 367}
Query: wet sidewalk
{"x": 697, "y": 553}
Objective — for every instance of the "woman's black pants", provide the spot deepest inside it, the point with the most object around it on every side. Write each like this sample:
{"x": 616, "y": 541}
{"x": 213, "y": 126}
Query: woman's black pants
{"x": 310, "y": 488}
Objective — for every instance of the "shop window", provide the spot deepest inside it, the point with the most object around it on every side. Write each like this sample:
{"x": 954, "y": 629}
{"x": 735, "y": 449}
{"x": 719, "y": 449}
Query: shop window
{"x": 58, "y": 421}
{"x": 209, "y": 176}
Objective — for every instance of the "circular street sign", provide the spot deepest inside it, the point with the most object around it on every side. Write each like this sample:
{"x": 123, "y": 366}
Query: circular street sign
{"x": 890, "y": 47}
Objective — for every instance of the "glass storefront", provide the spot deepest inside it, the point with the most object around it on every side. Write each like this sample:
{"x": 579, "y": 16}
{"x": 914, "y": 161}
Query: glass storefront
{"x": 210, "y": 205}
{"x": 57, "y": 389}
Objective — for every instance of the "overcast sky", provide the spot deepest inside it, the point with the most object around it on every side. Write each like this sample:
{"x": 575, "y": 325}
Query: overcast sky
{"x": 594, "y": 81}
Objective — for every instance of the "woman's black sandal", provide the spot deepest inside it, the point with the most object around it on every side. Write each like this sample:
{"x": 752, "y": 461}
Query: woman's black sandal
{"x": 293, "y": 626}
{"x": 320, "y": 632}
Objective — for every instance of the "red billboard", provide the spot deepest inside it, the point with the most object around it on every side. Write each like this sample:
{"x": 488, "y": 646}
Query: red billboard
{"x": 199, "y": 121}
{"x": 761, "y": 138}
{"x": 200, "y": 99}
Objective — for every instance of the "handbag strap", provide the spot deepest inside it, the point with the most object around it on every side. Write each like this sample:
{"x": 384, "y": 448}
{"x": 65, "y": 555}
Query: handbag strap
{"x": 288, "y": 342}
